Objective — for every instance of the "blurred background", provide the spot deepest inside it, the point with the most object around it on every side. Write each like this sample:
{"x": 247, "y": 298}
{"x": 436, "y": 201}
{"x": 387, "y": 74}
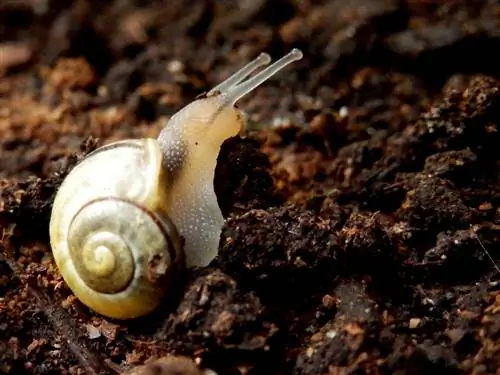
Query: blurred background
{"x": 150, "y": 58}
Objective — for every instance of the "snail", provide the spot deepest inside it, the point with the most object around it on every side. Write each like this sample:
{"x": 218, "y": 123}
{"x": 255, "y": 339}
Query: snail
{"x": 133, "y": 213}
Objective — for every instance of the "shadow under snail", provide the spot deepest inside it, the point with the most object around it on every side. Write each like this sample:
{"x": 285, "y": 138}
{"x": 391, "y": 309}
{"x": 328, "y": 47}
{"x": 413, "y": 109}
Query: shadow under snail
{"x": 134, "y": 211}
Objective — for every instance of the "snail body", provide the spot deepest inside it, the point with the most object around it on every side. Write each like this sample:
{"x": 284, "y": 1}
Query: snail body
{"x": 134, "y": 212}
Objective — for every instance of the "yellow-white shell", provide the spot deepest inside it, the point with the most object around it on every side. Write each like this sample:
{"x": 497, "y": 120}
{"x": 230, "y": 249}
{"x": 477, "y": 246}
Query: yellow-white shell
{"x": 111, "y": 236}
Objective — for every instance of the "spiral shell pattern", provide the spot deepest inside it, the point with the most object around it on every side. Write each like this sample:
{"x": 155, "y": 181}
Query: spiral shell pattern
{"x": 105, "y": 245}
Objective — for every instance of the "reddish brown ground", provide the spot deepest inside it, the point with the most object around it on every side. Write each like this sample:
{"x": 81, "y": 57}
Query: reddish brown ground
{"x": 357, "y": 207}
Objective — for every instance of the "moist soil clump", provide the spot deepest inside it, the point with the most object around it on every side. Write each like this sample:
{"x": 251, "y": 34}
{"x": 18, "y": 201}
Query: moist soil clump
{"x": 362, "y": 205}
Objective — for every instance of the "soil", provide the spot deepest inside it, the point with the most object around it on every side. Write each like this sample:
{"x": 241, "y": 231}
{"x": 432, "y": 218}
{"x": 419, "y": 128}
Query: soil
{"x": 362, "y": 205}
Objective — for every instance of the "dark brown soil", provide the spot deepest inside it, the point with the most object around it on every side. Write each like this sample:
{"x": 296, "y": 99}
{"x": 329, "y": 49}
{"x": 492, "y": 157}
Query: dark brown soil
{"x": 362, "y": 208}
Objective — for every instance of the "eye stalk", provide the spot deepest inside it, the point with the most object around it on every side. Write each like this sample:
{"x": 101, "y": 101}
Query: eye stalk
{"x": 235, "y": 87}
{"x": 240, "y": 75}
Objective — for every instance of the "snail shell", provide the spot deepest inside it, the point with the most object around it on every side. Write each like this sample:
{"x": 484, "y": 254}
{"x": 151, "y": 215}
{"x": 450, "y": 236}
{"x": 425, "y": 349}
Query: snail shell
{"x": 112, "y": 239}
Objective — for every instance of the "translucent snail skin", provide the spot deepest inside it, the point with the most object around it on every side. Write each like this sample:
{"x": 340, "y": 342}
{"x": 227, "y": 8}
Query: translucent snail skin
{"x": 134, "y": 211}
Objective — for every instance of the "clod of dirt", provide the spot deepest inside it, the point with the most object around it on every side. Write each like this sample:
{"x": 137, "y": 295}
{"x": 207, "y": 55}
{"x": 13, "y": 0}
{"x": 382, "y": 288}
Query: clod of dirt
{"x": 461, "y": 120}
{"x": 434, "y": 204}
{"x": 214, "y": 316}
{"x": 423, "y": 359}
{"x": 346, "y": 344}
{"x": 30, "y": 201}
{"x": 368, "y": 244}
{"x": 456, "y": 165}
{"x": 242, "y": 177}
{"x": 462, "y": 254}
{"x": 280, "y": 252}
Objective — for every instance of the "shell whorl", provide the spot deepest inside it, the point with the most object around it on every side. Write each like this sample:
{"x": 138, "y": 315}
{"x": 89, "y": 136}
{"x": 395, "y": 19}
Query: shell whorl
{"x": 112, "y": 241}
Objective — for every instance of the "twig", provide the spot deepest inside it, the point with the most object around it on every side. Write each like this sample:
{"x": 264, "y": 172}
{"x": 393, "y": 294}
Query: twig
{"x": 487, "y": 253}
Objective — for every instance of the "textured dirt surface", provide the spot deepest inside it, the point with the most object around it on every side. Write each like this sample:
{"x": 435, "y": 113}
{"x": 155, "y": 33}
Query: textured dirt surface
{"x": 363, "y": 205}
